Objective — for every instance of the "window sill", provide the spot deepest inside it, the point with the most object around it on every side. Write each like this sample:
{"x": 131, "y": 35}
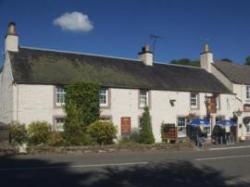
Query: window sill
{"x": 59, "y": 105}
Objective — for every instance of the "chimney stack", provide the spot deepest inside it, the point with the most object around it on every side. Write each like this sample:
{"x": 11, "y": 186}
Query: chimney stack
{"x": 11, "y": 39}
{"x": 146, "y": 55}
{"x": 206, "y": 59}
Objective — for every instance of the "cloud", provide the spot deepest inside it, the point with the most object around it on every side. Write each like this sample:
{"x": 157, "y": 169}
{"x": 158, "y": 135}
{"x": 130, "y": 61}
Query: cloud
{"x": 74, "y": 21}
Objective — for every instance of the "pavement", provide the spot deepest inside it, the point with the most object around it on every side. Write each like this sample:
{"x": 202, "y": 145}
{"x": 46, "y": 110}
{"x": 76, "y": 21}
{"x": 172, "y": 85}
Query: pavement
{"x": 206, "y": 168}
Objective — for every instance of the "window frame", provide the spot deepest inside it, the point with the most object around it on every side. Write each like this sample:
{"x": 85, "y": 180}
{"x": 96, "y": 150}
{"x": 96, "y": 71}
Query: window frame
{"x": 197, "y": 100}
{"x": 59, "y": 96}
{"x": 107, "y": 96}
{"x": 140, "y": 104}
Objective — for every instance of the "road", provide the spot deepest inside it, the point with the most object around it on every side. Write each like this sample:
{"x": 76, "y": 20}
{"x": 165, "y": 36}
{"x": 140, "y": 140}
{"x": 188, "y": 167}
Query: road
{"x": 217, "y": 167}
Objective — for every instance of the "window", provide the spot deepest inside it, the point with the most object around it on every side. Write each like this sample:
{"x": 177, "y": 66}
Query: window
{"x": 248, "y": 92}
{"x": 181, "y": 125}
{"x": 60, "y": 96}
{"x": 194, "y": 100}
{"x": 143, "y": 98}
{"x": 218, "y": 102}
{"x": 59, "y": 122}
{"x": 103, "y": 97}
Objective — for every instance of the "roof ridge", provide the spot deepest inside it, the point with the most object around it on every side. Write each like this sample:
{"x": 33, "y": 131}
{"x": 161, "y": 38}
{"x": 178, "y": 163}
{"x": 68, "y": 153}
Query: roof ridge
{"x": 104, "y": 56}
{"x": 78, "y": 53}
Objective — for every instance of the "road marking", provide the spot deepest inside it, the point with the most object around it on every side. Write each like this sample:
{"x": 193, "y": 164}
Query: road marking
{"x": 223, "y": 157}
{"x": 74, "y": 166}
{"x": 228, "y": 148}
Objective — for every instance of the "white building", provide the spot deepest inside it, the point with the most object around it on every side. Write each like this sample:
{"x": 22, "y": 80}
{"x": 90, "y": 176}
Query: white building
{"x": 236, "y": 77}
{"x": 32, "y": 80}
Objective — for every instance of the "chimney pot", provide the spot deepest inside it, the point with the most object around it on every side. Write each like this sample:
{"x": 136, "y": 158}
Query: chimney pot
{"x": 11, "y": 29}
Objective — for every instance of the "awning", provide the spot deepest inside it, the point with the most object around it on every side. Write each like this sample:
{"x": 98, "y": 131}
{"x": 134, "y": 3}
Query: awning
{"x": 223, "y": 123}
{"x": 197, "y": 122}
{"x": 246, "y": 120}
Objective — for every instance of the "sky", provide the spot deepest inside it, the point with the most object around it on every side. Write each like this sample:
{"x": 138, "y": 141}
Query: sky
{"x": 121, "y": 27}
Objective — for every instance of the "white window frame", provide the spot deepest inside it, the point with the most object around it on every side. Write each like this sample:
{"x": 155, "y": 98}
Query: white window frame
{"x": 59, "y": 126}
{"x": 196, "y": 99}
{"x": 181, "y": 129}
{"x": 104, "y": 92}
{"x": 143, "y": 98}
{"x": 60, "y": 96}
{"x": 248, "y": 92}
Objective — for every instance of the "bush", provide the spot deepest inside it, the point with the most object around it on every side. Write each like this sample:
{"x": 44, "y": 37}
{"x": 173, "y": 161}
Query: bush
{"x": 55, "y": 139}
{"x": 18, "y": 133}
{"x": 146, "y": 134}
{"x": 134, "y": 137}
{"x": 102, "y": 132}
{"x": 38, "y": 132}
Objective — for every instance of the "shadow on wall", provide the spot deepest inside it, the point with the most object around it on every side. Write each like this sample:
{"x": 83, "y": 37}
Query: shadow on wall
{"x": 152, "y": 175}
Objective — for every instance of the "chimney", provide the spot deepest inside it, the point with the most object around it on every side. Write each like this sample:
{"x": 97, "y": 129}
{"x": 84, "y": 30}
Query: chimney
{"x": 11, "y": 39}
{"x": 146, "y": 55}
{"x": 206, "y": 59}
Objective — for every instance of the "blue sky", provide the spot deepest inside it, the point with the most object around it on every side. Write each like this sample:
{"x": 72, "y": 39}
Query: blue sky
{"x": 121, "y": 27}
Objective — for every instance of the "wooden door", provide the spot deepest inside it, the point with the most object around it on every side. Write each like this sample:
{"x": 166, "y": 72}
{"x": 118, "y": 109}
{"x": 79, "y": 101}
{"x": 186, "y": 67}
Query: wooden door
{"x": 125, "y": 126}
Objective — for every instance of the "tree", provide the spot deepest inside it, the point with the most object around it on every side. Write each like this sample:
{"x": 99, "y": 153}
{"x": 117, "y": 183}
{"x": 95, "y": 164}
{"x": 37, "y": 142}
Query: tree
{"x": 226, "y": 60}
{"x": 146, "y": 135}
{"x": 186, "y": 61}
{"x": 247, "y": 61}
{"x": 82, "y": 109}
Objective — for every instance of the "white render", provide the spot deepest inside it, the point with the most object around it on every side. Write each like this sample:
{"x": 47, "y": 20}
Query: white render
{"x": 36, "y": 103}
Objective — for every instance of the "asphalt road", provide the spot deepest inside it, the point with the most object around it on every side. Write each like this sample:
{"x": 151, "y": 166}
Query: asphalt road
{"x": 229, "y": 167}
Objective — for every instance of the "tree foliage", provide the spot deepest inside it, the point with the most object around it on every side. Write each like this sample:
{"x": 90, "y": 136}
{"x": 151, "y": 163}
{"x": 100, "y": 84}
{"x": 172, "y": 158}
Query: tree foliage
{"x": 226, "y": 60}
{"x": 82, "y": 109}
{"x": 146, "y": 135}
{"x": 186, "y": 61}
{"x": 247, "y": 62}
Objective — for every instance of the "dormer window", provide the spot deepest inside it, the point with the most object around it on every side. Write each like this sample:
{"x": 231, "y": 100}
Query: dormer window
{"x": 103, "y": 97}
{"x": 143, "y": 98}
{"x": 194, "y": 100}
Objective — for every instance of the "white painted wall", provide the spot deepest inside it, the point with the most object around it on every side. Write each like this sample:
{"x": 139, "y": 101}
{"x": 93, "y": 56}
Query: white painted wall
{"x": 35, "y": 103}
{"x": 6, "y": 92}
{"x": 124, "y": 103}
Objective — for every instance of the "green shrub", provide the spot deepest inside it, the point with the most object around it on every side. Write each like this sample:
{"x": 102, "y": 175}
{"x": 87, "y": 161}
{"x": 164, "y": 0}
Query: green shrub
{"x": 55, "y": 139}
{"x": 38, "y": 132}
{"x": 146, "y": 134}
{"x": 134, "y": 137}
{"x": 102, "y": 132}
{"x": 18, "y": 133}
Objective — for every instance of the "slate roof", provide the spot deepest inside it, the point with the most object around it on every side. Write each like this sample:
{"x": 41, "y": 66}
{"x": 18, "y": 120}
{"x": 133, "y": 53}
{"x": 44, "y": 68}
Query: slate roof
{"x": 37, "y": 66}
{"x": 237, "y": 73}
